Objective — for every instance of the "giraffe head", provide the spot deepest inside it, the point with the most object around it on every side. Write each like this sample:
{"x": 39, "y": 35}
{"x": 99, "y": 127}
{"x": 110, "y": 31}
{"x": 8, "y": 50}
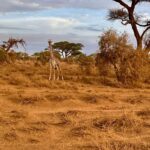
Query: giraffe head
{"x": 50, "y": 42}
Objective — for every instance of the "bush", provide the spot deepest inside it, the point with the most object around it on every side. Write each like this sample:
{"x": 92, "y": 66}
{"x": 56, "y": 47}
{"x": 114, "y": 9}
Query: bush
{"x": 139, "y": 66}
{"x": 3, "y": 56}
{"x": 86, "y": 64}
{"x": 21, "y": 56}
{"x": 10, "y": 56}
{"x": 44, "y": 56}
{"x": 130, "y": 66}
{"x": 105, "y": 69}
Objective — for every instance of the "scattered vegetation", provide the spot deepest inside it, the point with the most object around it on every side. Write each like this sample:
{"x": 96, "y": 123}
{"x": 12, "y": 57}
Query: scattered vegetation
{"x": 94, "y": 107}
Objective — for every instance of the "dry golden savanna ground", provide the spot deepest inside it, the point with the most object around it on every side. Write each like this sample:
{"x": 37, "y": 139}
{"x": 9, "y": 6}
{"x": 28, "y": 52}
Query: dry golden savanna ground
{"x": 74, "y": 114}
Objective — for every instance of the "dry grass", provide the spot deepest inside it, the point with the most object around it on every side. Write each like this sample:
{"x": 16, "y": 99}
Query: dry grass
{"x": 26, "y": 99}
{"x": 138, "y": 99}
{"x": 126, "y": 124}
{"x": 145, "y": 114}
{"x": 75, "y": 114}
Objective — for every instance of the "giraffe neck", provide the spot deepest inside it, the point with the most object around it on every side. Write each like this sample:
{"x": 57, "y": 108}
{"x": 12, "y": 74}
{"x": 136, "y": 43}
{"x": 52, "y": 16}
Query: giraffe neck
{"x": 51, "y": 52}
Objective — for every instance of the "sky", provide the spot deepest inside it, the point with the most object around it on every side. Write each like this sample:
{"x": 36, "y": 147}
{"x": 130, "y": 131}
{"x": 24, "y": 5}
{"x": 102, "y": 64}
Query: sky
{"x": 79, "y": 21}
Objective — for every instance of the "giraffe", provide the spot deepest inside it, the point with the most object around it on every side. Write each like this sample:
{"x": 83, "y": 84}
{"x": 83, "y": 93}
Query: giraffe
{"x": 55, "y": 71}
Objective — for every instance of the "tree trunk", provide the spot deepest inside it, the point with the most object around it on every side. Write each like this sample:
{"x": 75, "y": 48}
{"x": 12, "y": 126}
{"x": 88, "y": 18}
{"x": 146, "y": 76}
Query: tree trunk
{"x": 135, "y": 30}
{"x": 139, "y": 44}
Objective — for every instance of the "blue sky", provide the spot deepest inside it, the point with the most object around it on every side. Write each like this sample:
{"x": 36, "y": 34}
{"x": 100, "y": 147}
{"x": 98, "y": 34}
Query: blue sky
{"x": 36, "y": 21}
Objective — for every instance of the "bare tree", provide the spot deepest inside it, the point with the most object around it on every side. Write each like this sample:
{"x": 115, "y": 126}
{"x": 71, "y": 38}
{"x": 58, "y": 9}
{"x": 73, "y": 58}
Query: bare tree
{"x": 127, "y": 15}
{"x": 12, "y": 42}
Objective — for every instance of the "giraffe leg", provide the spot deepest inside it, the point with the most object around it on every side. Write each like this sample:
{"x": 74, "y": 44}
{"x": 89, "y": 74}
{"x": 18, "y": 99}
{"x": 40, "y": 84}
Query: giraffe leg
{"x": 57, "y": 73}
{"x": 50, "y": 72}
{"x": 54, "y": 74}
{"x": 60, "y": 71}
{"x": 57, "y": 78}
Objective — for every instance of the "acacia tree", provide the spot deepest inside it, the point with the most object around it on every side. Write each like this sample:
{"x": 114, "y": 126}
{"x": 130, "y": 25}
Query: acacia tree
{"x": 8, "y": 55}
{"x": 67, "y": 49}
{"x": 12, "y": 42}
{"x": 127, "y": 15}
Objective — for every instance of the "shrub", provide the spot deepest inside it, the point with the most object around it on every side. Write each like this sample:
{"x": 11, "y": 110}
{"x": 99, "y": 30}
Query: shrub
{"x": 8, "y": 57}
{"x": 44, "y": 56}
{"x": 105, "y": 69}
{"x": 3, "y": 56}
{"x": 86, "y": 64}
{"x": 22, "y": 56}
{"x": 130, "y": 66}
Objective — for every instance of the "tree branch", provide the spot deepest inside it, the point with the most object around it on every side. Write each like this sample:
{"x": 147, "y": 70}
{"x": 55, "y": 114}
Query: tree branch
{"x": 145, "y": 31}
{"x": 115, "y": 14}
{"x": 143, "y": 1}
{"x": 122, "y": 3}
{"x": 143, "y": 25}
{"x": 125, "y": 22}
{"x": 137, "y": 1}
{"x": 134, "y": 2}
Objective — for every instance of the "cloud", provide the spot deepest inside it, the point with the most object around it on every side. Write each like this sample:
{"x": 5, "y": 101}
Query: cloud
{"x": 13, "y": 28}
{"x": 38, "y": 41}
{"x": 38, "y": 24}
{"x": 17, "y": 5}
{"x": 33, "y": 5}
{"x": 37, "y": 30}
{"x": 90, "y": 28}
{"x": 145, "y": 16}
